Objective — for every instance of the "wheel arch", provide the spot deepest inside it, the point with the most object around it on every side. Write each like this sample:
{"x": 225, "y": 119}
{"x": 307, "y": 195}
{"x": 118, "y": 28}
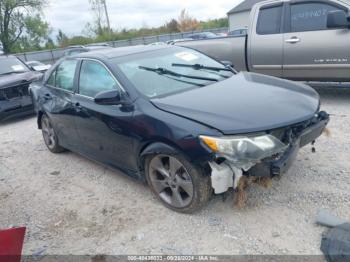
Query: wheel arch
{"x": 164, "y": 147}
{"x": 157, "y": 147}
{"x": 40, "y": 116}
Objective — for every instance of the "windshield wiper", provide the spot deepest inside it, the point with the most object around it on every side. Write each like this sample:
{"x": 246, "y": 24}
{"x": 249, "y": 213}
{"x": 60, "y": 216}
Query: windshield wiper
{"x": 164, "y": 71}
{"x": 199, "y": 67}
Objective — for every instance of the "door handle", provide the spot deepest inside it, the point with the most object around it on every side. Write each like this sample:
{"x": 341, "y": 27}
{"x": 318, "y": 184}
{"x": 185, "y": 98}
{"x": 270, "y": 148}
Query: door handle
{"x": 47, "y": 97}
{"x": 78, "y": 106}
{"x": 293, "y": 40}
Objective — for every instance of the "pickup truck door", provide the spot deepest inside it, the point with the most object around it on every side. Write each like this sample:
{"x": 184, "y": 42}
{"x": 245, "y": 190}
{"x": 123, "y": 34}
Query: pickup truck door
{"x": 265, "y": 42}
{"x": 312, "y": 52}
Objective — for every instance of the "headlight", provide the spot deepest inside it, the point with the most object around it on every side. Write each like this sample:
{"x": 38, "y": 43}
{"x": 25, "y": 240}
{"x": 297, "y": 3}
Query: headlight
{"x": 243, "y": 149}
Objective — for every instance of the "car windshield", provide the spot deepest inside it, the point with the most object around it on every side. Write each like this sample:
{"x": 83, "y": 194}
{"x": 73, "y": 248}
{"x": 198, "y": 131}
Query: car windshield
{"x": 11, "y": 65}
{"x": 172, "y": 70}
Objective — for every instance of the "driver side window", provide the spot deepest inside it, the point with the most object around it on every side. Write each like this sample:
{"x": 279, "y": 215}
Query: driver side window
{"x": 95, "y": 78}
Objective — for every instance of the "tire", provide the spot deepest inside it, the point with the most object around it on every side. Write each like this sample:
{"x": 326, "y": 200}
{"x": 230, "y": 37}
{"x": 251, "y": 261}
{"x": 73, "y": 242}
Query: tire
{"x": 49, "y": 135}
{"x": 169, "y": 186}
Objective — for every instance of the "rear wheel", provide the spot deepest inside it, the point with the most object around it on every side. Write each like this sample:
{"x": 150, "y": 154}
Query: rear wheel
{"x": 176, "y": 183}
{"x": 50, "y": 136}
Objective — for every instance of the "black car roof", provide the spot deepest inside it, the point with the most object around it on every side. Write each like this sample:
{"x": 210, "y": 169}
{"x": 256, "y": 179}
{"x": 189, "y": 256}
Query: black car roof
{"x": 122, "y": 51}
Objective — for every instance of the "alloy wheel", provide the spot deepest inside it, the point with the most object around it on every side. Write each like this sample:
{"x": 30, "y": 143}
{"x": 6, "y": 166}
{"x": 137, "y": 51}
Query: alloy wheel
{"x": 48, "y": 133}
{"x": 171, "y": 181}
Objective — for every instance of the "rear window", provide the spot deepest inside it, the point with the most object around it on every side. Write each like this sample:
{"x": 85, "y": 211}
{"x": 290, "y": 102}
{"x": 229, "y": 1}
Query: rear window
{"x": 269, "y": 21}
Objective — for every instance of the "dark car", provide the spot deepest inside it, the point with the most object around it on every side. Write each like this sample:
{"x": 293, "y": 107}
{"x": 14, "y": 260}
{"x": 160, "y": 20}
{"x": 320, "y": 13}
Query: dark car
{"x": 73, "y": 50}
{"x": 202, "y": 35}
{"x": 15, "y": 78}
{"x": 176, "y": 118}
{"x": 238, "y": 32}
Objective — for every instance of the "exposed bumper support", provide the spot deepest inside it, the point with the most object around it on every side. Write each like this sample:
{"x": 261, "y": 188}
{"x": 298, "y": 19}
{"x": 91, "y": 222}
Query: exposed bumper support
{"x": 225, "y": 175}
{"x": 270, "y": 168}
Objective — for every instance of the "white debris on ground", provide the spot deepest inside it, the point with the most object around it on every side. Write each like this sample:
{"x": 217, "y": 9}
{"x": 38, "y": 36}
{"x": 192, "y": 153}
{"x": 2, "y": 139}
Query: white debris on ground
{"x": 72, "y": 205}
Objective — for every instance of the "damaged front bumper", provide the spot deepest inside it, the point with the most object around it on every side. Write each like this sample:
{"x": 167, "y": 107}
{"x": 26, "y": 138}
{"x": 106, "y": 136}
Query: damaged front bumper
{"x": 16, "y": 107}
{"x": 225, "y": 174}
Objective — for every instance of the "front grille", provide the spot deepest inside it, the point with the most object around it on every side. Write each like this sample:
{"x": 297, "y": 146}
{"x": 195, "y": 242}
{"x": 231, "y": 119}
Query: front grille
{"x": 14, "y": 91}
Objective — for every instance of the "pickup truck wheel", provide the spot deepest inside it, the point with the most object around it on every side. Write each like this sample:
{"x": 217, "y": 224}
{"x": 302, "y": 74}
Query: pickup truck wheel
{"x": 50, "y": 136}
{"x": 178, "y": 184}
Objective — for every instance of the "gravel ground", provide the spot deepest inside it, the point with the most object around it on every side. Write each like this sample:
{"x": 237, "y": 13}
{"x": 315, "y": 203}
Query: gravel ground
{"x": 71, "y": 205}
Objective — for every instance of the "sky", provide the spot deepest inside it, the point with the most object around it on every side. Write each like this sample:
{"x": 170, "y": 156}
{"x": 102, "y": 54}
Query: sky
{"x": 72, "y": 15}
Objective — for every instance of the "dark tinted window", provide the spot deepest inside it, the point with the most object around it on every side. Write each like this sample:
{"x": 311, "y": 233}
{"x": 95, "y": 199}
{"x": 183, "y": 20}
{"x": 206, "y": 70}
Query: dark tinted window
{"x": 310, "y": 16}
{"x": 94, "y": 78}
{"x": 65, "y": 75}
{"x": 269, "y": 21}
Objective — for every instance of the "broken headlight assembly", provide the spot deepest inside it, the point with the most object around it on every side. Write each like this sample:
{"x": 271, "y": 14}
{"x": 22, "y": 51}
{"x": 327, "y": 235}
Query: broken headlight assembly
{"x": 244, "y": 151}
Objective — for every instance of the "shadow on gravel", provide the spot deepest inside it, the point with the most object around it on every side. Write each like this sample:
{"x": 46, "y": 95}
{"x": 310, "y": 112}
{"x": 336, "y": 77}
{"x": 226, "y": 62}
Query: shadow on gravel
{"x": 15, "y": 120}
{"x": 338, "y": 94}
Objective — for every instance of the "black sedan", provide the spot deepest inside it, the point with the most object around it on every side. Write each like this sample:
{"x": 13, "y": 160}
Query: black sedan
{"x": 180, "y": 121}
{"x": 15, "y": 78}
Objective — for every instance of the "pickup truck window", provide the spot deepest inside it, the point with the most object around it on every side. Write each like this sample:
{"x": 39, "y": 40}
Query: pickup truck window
{"x": 310, "y": 16}
{"x": 269, "y": 21}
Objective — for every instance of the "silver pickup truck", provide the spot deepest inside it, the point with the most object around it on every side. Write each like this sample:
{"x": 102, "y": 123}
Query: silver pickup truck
{"x": 302, "y": 40}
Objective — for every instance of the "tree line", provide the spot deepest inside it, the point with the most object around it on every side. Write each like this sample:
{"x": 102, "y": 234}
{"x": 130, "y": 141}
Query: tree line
{"x": 23, "y": 27}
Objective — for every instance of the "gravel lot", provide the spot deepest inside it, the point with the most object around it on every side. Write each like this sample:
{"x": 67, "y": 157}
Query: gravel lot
{"x": 71, "y": 205}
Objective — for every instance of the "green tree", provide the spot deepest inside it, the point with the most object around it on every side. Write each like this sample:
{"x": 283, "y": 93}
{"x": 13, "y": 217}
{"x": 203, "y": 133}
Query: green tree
{"x": 172, "y": 26}
{"x": 50, "y": 44}
{"x": 15, "y": 18}
{"x": 186, "y": 22}
{"x": 62, "y": 38}
{"x": 100, "y": 26}
{"x": 215, "y": 23}
{"x": 35, "y": 34}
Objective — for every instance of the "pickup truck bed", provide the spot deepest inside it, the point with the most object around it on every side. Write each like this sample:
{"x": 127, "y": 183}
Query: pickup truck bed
{"x": 231, "y": 49}
{"x": 300, "y": 40}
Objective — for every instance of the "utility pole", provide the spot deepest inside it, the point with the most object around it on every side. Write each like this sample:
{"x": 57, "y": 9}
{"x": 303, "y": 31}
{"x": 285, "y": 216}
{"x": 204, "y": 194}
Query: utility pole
{"x": 107, "y": 16}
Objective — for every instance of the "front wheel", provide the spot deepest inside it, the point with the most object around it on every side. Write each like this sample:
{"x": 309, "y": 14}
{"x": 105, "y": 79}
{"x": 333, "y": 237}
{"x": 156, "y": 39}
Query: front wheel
{"x": 50, "y": 136}
{"x": 178, "y": 184}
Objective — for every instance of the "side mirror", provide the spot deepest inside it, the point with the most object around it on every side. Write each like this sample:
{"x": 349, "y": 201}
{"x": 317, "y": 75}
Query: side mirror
{"x": 338, "y": 19}
{"x": 112, "y": 97}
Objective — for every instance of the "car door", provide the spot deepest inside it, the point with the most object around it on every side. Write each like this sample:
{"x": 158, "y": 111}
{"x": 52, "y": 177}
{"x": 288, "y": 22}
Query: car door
{"x": 312, "y": 51}
{"x": 57, "y": 99}
{"x": 104, "y": 130}
{"x": 266, "y": 42}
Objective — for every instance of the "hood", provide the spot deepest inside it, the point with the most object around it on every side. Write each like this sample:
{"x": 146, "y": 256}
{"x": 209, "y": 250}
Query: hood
{"x": 17, "y": 79}
{"x": 244, "y": 103}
